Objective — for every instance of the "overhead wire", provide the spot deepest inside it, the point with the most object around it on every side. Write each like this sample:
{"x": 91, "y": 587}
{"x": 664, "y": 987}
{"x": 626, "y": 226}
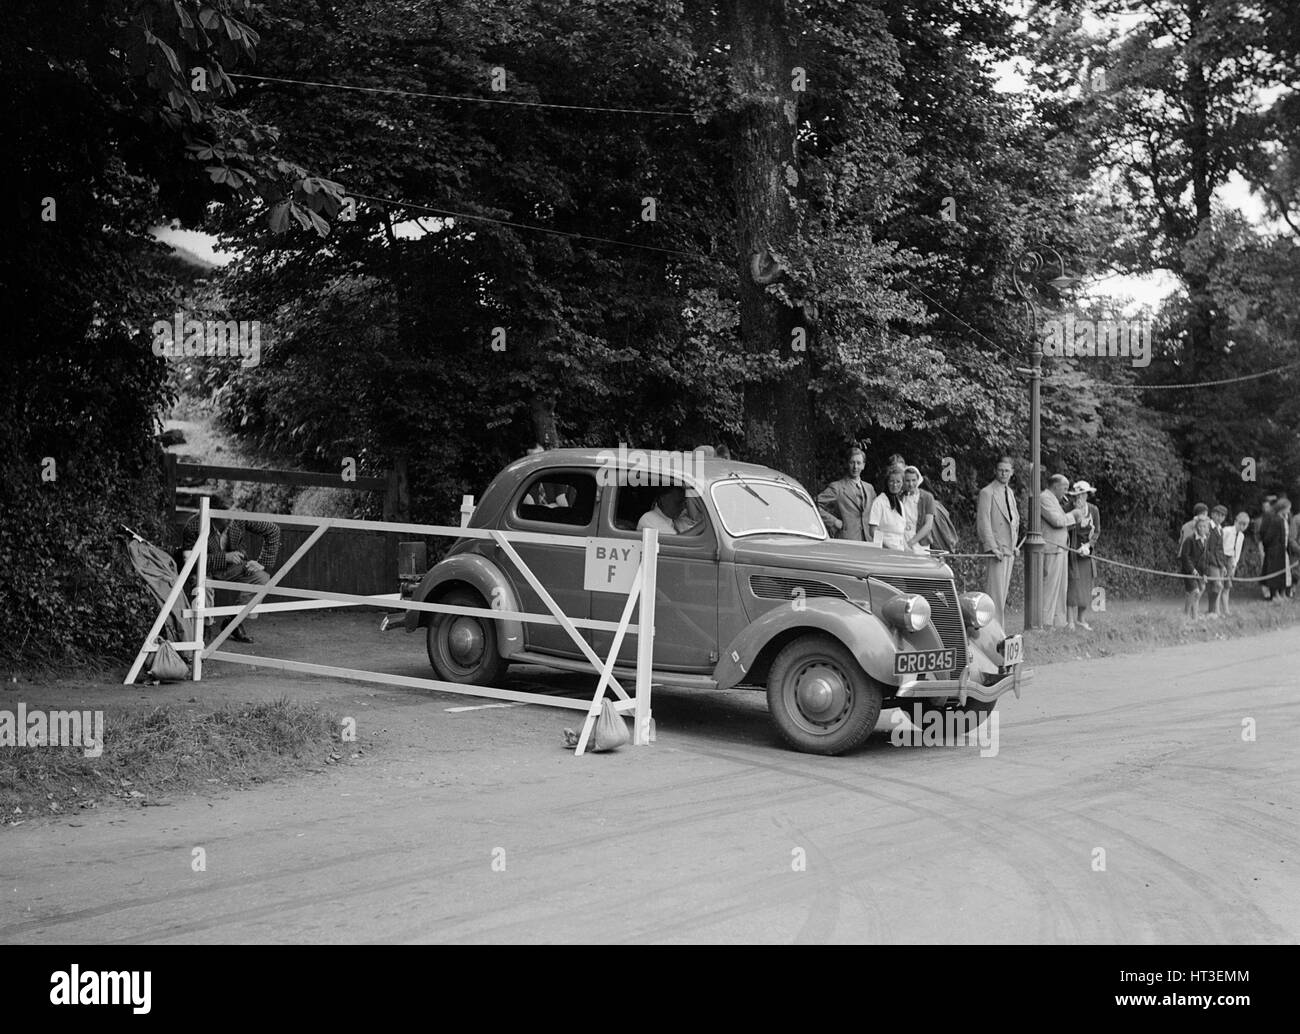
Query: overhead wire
{"x": 573, "y": 235}
{"x": 460, "y": 98}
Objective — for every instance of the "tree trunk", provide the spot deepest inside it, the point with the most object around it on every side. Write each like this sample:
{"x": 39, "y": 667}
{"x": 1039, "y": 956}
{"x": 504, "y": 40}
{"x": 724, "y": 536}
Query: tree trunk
{"x": 543, "y": 414}
{"x": 1200, "y": 319}
{"x": 778, "y": 415}
{"x": 1198, "y": 146}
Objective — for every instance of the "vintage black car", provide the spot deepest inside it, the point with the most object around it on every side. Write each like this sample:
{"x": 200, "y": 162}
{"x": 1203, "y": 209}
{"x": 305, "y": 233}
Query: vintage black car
{"x": 754, "y": 595}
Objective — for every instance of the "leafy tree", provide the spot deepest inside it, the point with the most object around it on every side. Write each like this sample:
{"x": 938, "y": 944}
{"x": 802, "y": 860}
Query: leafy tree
{"x": 1171, "y": 107}
{"x": 100, "y": 107}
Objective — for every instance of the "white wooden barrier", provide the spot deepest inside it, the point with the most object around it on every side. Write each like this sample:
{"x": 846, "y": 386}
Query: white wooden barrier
{"x": 642, "y": 594}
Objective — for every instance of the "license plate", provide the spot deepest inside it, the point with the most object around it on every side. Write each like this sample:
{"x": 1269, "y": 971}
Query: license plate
{"x": 1013, "y": 650}
{"x": 917, "y": 661}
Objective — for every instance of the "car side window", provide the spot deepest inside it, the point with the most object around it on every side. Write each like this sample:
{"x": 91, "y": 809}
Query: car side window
{"x": 562, "y": 497}
{"x": 631, "y": 502}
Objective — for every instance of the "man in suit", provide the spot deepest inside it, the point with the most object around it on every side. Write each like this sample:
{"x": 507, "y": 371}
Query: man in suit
{"x": 1057, "y": 522}
{"x": 228, "y": 549}
{"x": 997, "y": 522}
{"x": 845, "y": 504}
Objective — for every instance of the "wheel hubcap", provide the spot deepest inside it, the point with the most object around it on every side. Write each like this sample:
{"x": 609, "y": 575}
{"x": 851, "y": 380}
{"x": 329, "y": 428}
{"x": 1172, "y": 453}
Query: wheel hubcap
{"x": 822, "y": 693}
{"x": 465, "y": 641}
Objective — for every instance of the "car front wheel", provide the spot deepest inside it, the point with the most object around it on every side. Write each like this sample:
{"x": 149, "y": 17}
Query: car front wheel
{"x": 463, "y": 647}
{"x": 821, "y": 700}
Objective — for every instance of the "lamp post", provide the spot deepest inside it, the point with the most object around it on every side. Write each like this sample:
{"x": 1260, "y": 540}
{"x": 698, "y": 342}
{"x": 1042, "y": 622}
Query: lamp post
{"x": 1024, "y": 275}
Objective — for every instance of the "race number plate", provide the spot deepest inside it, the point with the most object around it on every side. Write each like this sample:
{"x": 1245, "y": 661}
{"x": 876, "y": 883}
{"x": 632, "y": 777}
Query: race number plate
{"x": 1013, "y": 650}
{"x": 918, "y": 661}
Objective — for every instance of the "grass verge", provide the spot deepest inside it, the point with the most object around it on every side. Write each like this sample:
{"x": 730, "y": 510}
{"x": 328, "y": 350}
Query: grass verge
{"x": 1136, "y": 626}
{"x": 152, "y": 755}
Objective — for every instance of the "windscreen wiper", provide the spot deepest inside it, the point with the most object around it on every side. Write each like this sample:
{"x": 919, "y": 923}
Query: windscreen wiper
{"x": 745, "y": 485}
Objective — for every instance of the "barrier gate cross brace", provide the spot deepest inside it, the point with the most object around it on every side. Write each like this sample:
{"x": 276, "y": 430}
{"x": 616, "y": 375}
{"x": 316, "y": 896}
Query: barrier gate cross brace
{"x": 640, "y": 597}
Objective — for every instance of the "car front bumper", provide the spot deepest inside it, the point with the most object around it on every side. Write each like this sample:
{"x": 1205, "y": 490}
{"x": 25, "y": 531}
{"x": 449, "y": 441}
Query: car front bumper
{"x": 968, "y": 687}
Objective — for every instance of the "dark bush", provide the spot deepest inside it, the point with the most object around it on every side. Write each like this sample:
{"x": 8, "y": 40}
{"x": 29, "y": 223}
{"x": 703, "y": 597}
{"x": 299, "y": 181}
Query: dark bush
{"x": 68, "y": 592}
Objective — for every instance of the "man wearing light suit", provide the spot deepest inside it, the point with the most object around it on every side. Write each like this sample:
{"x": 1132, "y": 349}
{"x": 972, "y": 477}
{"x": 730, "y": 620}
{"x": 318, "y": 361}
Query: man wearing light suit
{"x": 1056, "y": 536}
{"x": 997, "y": 522}
{"x": 845, "y": 504}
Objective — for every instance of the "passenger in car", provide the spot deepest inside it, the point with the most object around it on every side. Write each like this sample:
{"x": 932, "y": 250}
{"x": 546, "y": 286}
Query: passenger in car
{"x": 547, "y": 494}
{"x": 667, "y": 515}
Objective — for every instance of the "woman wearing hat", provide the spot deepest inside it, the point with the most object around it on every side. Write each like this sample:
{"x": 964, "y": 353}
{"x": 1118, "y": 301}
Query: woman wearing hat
{"x": 1082, "y": 568}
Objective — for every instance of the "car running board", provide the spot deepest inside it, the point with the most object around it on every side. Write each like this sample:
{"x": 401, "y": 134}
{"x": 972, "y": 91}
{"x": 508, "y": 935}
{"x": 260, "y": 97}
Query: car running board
{"x": 680, "y": 680}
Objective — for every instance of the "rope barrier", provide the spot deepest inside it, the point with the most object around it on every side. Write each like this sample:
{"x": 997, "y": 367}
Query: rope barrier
{"x": 1200, "y": 384}
{"x": 1130, "y": 567}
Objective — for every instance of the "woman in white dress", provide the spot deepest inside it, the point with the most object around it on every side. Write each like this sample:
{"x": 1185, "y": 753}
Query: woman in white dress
{"x": 886, "y": 522}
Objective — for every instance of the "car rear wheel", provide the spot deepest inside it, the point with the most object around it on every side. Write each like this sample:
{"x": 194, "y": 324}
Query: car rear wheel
{"x": 968, "y": 719}
{"x": 462, "y": 647}
{"x": 821, "y": 700}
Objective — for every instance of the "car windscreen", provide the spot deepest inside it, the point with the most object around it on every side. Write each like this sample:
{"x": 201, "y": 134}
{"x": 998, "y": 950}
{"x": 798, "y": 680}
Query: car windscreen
{"x": 747, "y": 506}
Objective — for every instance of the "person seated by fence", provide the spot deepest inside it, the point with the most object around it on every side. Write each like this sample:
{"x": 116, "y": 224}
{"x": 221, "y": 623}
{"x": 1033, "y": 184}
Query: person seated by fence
{"x": 228, "y": 561}
{"x": 667, "y": 515}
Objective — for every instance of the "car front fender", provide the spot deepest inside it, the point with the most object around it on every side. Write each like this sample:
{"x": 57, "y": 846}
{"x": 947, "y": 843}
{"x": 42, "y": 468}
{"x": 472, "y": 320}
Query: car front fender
{"x": 863, "y": 633}
{"x": 487, "y": 580}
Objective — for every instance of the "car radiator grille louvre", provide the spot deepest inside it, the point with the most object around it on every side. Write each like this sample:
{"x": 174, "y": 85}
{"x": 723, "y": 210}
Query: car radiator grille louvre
{"x": 945, "y": 612}
{"x": 769, "y": 587}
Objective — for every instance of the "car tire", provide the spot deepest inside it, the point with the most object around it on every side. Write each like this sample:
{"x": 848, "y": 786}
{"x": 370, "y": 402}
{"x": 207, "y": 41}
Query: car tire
{"x": 463, "y": 648}
{"x": 820, "y": 698}
{"x": 979, "y": 710}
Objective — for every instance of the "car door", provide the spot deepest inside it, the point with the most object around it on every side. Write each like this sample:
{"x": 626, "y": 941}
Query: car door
{"x": 560, "y": 502}
{"x": 686, "y": 597}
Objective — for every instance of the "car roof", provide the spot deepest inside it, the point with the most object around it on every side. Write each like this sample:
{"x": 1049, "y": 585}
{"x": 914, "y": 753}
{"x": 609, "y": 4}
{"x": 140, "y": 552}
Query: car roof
{"x": 700, "y": 472}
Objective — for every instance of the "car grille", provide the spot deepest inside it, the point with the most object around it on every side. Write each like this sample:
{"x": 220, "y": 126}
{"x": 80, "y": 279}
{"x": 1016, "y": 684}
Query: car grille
{"x": 945, "y": 613}
{"x": 769, "y": 587}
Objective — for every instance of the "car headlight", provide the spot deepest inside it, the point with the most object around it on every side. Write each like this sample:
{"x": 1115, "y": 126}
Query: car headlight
{"x": 908, "y": 612}
{"x": 977, "y": 608}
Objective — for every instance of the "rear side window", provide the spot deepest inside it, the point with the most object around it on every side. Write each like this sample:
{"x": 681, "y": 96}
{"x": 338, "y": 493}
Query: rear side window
{"x": 558, "y": 497}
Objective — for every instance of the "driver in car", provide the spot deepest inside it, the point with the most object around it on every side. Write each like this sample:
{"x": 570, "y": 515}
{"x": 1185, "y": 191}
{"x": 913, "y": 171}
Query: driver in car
{"x": 668, "y": 516}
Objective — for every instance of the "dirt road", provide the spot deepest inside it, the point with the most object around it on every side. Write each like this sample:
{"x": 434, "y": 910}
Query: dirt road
{"x": 475, "y": 826}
